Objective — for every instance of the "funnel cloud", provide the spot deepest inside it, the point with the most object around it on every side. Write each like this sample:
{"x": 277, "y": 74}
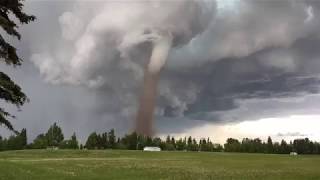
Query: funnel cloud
{"x": 159, "y": 55}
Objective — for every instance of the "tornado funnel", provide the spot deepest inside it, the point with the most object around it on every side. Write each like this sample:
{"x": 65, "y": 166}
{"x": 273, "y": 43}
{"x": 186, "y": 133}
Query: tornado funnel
{"x": 144, "y": 119}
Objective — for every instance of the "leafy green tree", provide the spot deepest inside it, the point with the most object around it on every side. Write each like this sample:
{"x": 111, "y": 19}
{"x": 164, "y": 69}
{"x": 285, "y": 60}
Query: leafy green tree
{"x": 284, "y": 147}
{"x": 20, "y": 140}
{"x": 180, "y": 145}
{"x": 163, "y": 145}
{"x": 252, "y": 145}
{"x": 202, "y": 145}
{"x": 54, "y": 135}
{"x": 217, "y": 148}
{"x": 92, "y": 141}
{"x": 276, "y": 148}
{"x": 65, "y": 144}
{"x": 258, "y": 145}
{"x": 141, "y": 142}
{"x": 40, "y": 142}
{"x": 131, "y": 141}
{"x": 302, "y": 146}
{"x": 17, "y": 142}
{"x": 156, "y": 142}
{"x": 149, "y": 141}
{"x": 170, "y": 147}
{"x": 100, "y": 141}
{"x": 12, "y": 143}
{"x": 2, "y": 144}
{"x": 69, "y": 144}
{"x": 232, "y": 145}
{"x": 195, "y": 146}
{"x": 9, "y": 91}
{"x": 169, "y": 144}
{"x": 245, "y": 145}
{"x": 316, "y": 148}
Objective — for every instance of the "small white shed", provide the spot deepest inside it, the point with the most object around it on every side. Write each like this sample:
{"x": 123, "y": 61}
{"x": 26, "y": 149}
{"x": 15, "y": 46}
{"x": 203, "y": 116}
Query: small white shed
{"x": 151, "y": 149}
{"x": 293, "y": 154}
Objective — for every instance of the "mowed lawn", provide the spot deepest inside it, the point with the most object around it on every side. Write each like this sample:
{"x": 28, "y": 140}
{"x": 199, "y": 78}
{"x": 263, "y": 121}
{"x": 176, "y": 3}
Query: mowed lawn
{"x": 117, "y": 164}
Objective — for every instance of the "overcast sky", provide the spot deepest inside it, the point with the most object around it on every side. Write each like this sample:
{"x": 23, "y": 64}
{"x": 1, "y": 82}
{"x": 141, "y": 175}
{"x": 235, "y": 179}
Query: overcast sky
{"x": 237, "y": 68}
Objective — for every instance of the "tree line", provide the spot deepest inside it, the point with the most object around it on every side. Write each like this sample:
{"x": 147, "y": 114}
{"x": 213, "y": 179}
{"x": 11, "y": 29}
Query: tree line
{"x": 300, "y": 146}
{"x": 108, "y": 140}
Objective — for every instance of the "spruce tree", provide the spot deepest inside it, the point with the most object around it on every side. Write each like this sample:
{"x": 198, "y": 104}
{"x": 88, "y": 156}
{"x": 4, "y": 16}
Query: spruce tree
{"x": 73, "y": 143}
{"x": 9, "y": 90}
{"x": 112, "y": 138}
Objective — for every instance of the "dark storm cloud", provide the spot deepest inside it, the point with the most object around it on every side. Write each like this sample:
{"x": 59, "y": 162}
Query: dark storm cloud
{"x": 227, "y": 80}
{"x": 257, "y": 60}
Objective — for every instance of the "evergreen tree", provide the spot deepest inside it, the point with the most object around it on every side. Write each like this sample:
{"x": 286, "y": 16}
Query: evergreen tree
{"x": 173, "y": 142}
{"x": 9, "y": 91}
{"x": 168, "y": 139}
{"x": 112, "y": 139}
{"x": 270, "y": 145}
{"x": 104, "y": 140}
{"x": 74, "y": 142}
{"x": 189, "y": 143}
{"x": 23, "y": 135}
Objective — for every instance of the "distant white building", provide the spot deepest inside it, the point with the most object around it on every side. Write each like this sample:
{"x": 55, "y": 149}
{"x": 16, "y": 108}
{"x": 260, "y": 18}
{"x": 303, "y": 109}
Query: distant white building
{"x": 151, "y": 149}
{"x": 52, "y": 148}
{"x": 293, "y": 153}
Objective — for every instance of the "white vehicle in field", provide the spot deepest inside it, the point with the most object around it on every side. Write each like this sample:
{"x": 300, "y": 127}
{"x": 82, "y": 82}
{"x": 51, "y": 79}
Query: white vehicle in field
{"x": 151, "y": 149}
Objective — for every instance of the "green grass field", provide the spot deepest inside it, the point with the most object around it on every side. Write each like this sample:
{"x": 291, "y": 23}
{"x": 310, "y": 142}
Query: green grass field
{"x": 115, "y": 164}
